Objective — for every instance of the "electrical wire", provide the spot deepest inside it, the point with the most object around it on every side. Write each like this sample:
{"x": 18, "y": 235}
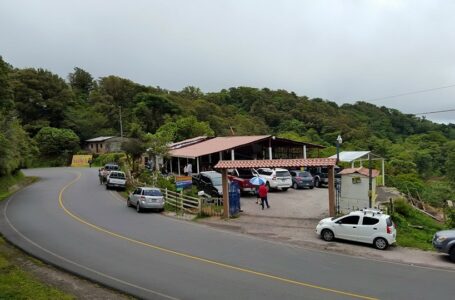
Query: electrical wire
{"x": 435, "y": 112}
{"x": 411, "y": 93}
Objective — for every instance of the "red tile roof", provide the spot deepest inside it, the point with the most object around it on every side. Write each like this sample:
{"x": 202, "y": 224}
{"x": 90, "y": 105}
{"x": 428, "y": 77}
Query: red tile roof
{"x": 215, "y": 145}
{"x": 276, "y": 163}
{"x": 361, "y": 170}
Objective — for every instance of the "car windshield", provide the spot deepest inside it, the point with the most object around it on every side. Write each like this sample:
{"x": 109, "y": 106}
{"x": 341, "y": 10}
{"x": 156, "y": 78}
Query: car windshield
{"x": 216, "y": 181}
{"x": 152, "y": 193}
{"x": 282, "y": 174}
{"x": 245, "y": 173}
{"x": 112, "y": 167}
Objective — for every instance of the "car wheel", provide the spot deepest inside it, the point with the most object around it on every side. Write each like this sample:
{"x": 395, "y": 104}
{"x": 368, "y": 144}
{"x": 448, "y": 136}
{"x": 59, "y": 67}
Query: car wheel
{"x": 284, "y": 189}
{"x": 327, "y": 235}
{"x": 316, "y": 183}
{"x": 294, "y": 186}
{"x": 107, "y": 186}
{"x": 311, "y": 187}
{"x": 138, "y": 207}
{"x": 380, "y": 243}
{"x": 452, "y": 254}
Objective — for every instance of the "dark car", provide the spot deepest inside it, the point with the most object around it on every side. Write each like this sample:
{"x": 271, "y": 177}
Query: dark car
{"x": 302, "y": 179}
{"x": 209, "y": 182}
{"x": 444, "y": 241}
{"x": 321, "y": 175}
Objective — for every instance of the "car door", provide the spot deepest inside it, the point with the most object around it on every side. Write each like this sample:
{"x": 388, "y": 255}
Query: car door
{"x": 137, "y": 195}
{"x": 367, "y": 230}
{"x": 346, "y": 228}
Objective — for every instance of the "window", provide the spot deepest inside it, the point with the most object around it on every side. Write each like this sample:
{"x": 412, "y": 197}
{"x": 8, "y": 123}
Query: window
{"x": 369, "y": 221}
{"x": 137, "y": 191}
{"x": 282, "y": 174}
{"x": 91, "y": 146}
{"x": 293, "y": 174}
{"x": 305, "y": 174}
{"x": 101, "y": 145}
{"x": 152, "y": 193}
{"x": 389, "y": 221}
{"x": 356, "y": 180}
{"x": 351, "y": 220}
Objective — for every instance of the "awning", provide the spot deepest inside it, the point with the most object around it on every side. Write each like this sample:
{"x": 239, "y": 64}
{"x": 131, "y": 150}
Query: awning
{"x": 350, "y": 156}
{"x": 275, "y": 163}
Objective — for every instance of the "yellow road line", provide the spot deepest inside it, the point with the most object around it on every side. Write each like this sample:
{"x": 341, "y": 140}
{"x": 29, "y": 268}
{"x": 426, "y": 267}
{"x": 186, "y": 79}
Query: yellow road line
{"x": 208, "y": 261}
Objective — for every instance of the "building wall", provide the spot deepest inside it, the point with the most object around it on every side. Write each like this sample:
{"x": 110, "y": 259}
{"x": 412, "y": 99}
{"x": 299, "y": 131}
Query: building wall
{"x": 355, "y": 195}
{"x": 110, "y": 145}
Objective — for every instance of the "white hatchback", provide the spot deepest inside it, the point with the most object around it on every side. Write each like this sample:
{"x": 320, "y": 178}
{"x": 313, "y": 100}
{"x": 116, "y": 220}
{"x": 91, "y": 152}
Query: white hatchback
{"x": 367, "y": 226}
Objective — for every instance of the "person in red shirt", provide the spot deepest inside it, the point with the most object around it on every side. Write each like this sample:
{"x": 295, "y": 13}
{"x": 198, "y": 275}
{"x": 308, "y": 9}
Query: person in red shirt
{"x": 263, "y": 195}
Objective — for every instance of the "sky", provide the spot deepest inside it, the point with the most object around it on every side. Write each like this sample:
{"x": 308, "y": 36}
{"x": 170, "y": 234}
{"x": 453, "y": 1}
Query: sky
{"x": 343, "y": 51}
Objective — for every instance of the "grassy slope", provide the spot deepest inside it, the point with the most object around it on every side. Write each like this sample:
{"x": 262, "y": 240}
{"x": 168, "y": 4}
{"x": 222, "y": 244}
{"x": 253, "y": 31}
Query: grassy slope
{"x": 14, "y": 282}
{"x": 409, "y": 236}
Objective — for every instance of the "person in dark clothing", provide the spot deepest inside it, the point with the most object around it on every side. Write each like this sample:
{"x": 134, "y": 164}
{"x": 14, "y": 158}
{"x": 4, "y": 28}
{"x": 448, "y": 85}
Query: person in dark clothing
{"x": 263, "y": 195}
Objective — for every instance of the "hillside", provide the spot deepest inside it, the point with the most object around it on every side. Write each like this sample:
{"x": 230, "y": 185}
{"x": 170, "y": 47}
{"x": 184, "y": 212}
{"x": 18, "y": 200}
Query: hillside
{"x": 417, "y": 150}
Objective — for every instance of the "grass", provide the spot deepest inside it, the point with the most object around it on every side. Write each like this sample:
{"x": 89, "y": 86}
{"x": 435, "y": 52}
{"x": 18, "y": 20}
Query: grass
{"x": 15, "y": 283}
{"x": 408, "y": 236}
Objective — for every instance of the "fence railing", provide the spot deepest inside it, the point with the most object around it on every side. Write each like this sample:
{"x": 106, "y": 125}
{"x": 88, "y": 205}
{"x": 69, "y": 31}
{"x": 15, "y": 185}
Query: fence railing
{"x": 198, "y": 206}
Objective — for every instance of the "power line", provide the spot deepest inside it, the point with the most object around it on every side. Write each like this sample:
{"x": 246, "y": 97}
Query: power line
{"x": 411, "y": 93}
{"x": 435, "y": 112}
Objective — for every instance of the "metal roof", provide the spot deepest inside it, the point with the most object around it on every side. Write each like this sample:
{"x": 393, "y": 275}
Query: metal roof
{"x": 350, "y": 156}
{"x": 363, "y": 171}
{"x": 187, "y": 142}
{"x": 275, "y": 163}
{"x": 215, "y": 145}
{"x": 100, "y": 139}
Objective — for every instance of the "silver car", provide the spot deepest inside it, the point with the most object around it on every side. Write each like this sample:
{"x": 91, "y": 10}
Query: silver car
{"x": 146, "y": 198}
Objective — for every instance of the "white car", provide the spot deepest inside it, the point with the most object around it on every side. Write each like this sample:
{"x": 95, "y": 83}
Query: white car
{"x": 116, "y": 179}
{"x": 369, "y": 226}
{"x": 146, "y": 198}
{"x": 275, "y": 178}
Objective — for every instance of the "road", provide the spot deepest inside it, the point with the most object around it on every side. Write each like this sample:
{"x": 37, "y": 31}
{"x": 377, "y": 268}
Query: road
{"x": 69, "y": 220}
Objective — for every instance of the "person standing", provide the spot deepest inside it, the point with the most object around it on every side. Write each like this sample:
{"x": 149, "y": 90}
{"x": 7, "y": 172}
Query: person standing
{"x": 263, "y": 191}
{"x": 189, "y": 169}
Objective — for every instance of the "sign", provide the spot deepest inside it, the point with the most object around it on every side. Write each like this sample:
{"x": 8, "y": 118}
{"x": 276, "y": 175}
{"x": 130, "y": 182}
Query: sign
{"x": 81, "y": 160}
{"x": 183, "y": 182}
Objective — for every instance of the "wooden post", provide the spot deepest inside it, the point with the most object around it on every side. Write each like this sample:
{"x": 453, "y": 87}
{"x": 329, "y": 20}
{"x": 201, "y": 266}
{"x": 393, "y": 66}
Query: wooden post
{"x": 224, "y": 180}
{"x": 331, "y": 188}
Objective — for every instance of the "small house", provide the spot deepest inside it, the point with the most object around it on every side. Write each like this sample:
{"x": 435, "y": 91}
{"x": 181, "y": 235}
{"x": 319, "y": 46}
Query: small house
{"x": 104, "y": 144}
{"x": 355, "y": 189}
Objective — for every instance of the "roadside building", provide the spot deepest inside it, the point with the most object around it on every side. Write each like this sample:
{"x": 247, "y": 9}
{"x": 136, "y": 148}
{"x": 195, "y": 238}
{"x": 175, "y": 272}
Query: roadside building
{"x": 203, "y": 153}
{"x": 355, "y": 189}
{"x": 104, "y": 144}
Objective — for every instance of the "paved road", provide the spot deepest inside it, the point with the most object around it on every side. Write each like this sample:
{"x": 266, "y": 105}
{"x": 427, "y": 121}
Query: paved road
{"x": 68, "y": 219}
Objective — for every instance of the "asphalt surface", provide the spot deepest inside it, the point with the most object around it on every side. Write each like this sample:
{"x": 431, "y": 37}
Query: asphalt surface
{"x": 69, "y": 220}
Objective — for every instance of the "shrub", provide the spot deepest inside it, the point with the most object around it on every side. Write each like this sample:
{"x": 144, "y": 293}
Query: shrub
{"x": 103, "y": 159}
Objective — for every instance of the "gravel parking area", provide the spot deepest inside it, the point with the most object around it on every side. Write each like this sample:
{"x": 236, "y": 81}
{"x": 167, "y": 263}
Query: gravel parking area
{"x": 312, "y": 204}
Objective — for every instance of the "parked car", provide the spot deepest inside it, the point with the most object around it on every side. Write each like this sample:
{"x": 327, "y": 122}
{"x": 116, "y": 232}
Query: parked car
{"x": 146, "y": 198}
{"x": 321, "y": 175}
{"x": 275, "y": 178}
{"x": 302, "y": 179}
{"x": 108, "y": 168}
{"x": 209, "y": 182}
{"x": 116, "y": 179}
{"x": 242, "y": 177}
{"x": 367, "y": 226}
{"x": 444, "y": 241}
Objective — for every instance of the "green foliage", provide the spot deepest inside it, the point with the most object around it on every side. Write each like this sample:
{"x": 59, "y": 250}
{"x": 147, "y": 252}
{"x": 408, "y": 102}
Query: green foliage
{"x": 106, "y": 158}
{"x": 408, "y": 183}
{"x": 184, "y": 128}
{"x": 450, "y": 218}
{"x": 406, "y": 218}
{"x": 55, "y": 142}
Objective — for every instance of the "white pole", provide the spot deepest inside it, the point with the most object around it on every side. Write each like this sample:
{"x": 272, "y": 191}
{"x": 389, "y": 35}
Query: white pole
{"x": 232, "y": 154}
{"x": 304, "y": 151}
{"x": 171, "y": 165}
{"x": 270, "y": 153}
{"x": 178, "y": 165}
{"x": 221, "y": 155}
{"x": 197, "y": 163}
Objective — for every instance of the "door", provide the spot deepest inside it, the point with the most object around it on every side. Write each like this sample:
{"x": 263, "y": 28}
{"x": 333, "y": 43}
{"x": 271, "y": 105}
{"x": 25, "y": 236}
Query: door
{"x": 136, "y": 196}
{"x": 368, "y": 229}
{"x": 346, "y": 228}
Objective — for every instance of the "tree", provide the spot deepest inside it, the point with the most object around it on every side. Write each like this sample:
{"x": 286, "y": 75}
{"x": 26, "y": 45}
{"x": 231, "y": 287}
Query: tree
{"x": 450, "y": 161}
{"x": 185, "y": 128}
{"x": 55, "y": 142}
{"x": 81, "y": 82}
{"x": 134, "y": 148}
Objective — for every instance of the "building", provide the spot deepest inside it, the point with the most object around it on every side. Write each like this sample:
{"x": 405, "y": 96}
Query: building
{"x": 203, "y": 153}
{"x": 104, "y": 144}
{"x": 355, "y": 189}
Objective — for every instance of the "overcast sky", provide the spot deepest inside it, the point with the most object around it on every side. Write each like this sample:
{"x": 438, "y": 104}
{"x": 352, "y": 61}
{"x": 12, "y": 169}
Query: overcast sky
{"x": 342, "y": 50}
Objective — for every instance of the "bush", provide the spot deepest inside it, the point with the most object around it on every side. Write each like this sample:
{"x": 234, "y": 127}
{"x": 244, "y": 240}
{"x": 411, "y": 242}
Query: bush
{"x": 450, "y": 218}
{"x": 103, "y": 159}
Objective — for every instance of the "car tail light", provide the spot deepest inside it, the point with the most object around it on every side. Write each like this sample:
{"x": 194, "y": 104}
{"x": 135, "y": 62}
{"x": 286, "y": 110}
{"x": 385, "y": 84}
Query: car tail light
{"x": 274, "y": 178}
{"x": 389, "y": 229}
{"x": 142, "y": 198}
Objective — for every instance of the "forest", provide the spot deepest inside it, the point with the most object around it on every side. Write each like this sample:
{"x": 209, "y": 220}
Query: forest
{"x": 44, "y": 118}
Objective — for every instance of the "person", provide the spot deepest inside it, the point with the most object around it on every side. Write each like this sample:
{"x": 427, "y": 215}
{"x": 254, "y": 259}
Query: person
{"x": 185, "y": 170}
{"x": 263, "y": 194}
{"x": 90, "y": 163}
{"x": 101, "y": 175}
{"x": 257, "y": 195}
{"x": 189, "y": 169}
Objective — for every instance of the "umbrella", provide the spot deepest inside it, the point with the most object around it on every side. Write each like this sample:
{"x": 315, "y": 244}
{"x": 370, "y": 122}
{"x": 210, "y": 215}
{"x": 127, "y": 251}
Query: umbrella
{"x": 257, "y": 181}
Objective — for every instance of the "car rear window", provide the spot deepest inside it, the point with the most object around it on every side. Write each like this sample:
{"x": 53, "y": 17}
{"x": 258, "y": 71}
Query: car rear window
{"x": 305, "y": 174}
{"x": 282, "y": 174}
{"x": 152, "y": 193}
{"x": 389, "y": 221}
{"x": 245, "y": 173}
{"x": 117, "y": 175}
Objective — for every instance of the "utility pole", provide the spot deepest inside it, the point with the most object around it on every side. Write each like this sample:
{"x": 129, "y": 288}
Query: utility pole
{"x": 370, "y": 179}
{"x": 121, "y": 124}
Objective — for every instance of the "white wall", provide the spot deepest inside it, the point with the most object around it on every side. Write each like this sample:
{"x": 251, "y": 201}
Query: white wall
{"x": 353, "y": 196}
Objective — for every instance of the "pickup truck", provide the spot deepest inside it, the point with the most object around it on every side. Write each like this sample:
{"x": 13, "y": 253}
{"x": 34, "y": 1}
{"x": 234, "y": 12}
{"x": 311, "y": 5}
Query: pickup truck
{"x": 242, "y": 177}
{"x": 209, "y": 182}
{"x": 116, "y": 179}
